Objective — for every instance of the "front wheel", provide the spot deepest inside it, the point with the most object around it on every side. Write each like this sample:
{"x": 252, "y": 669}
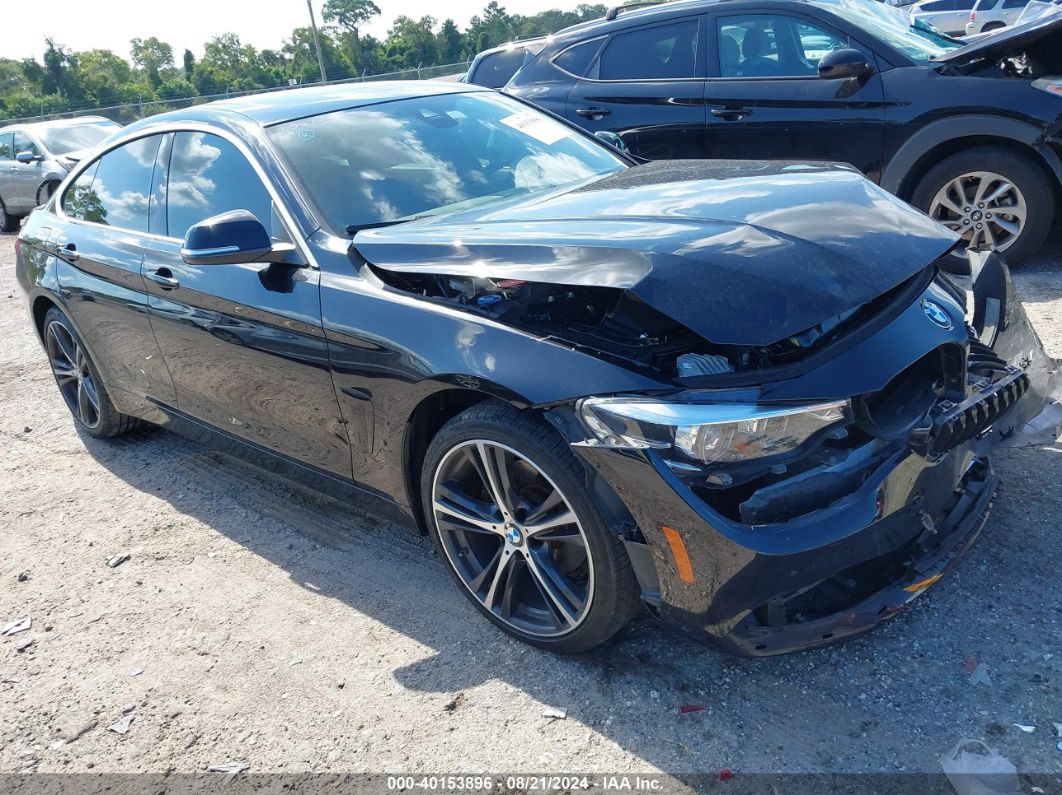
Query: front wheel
{"x": 993, "y": 197}
{"x": 507, "y": 506}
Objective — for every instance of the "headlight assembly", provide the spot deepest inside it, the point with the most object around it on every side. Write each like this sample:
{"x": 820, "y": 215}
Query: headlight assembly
{"x": 722, "y": 433}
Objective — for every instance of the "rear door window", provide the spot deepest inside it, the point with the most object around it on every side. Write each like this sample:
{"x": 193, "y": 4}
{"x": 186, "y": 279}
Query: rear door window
{"x": 661, "y": 52}
{"x": 576, "y": 60}
{"x": 116, "y": 191}
{"x": 5, "y": 146}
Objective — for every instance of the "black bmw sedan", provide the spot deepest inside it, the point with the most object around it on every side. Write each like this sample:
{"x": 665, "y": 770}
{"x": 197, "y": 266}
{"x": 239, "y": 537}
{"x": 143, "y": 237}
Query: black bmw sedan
{"x": 740, "y": 394}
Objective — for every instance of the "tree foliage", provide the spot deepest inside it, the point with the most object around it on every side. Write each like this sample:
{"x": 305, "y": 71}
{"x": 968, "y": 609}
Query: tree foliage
{"x": 64, "y": 80}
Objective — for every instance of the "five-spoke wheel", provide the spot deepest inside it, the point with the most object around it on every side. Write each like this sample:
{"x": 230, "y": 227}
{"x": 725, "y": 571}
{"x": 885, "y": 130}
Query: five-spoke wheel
{"x": 78, "y": 379}
{"x": 70, "y": 367}
{"x": 513, "y": 538}
{"x": 508, "y": 506}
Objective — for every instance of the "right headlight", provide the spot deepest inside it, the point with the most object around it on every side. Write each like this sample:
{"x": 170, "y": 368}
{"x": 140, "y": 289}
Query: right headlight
{"x": 723, "y": 433}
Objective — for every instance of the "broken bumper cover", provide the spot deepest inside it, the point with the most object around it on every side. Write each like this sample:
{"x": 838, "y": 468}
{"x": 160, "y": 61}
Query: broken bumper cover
{"x": 860, "y": 549}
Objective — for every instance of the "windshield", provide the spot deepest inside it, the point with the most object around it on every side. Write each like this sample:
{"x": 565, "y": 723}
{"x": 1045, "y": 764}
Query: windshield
{"x": 894, "y": 26}
{"x": 60, "y": 140}
{"x": 412, "y": 157}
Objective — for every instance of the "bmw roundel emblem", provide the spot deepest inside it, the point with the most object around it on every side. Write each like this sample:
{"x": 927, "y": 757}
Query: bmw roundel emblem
{"x": 936, "y": 313}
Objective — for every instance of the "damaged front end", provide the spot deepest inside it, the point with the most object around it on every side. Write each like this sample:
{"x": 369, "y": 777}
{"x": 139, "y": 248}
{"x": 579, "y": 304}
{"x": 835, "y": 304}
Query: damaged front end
{"x": 799, "y": 525}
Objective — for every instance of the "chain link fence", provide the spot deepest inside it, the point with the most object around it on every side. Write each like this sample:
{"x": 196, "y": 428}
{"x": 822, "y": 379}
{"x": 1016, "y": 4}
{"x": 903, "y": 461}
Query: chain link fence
{"x": 131, "y": 111}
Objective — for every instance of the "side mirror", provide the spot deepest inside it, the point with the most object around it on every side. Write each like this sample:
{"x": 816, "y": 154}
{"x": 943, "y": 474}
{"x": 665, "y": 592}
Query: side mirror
{"x": 612, "y": 140}
{"x": 25, "y": 158}
{"x": 843, "y": 64}
{"x": 234, "y": 238}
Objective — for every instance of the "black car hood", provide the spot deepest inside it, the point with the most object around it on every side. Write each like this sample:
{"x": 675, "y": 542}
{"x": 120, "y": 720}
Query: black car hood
{"x": 1009, "y": 41}
{"x": 743, "y": 253}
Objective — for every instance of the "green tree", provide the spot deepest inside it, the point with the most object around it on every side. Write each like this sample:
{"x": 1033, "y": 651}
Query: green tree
{"x": 411, "y": 42}
{"x": 102, "y": 75}
{"x": 451, "y": 44}
{"x": 154, "y": 58}
{"x": 491, "y": 29}
{"x": 189, "y": 65}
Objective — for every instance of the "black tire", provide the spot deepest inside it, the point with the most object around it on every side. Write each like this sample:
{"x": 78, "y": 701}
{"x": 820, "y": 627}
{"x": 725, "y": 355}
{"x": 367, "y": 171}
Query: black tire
{"x": 103, "y": 420}
{"x": 1020, "y": 170}
{"x": 8, "y": 222}
{"x": 46, "y": 191}
{"x": 614, "y": 596}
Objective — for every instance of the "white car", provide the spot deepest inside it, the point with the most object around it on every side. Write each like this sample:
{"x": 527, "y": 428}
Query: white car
{"x": 947, "y": 16}
{"x": 989, "y": 15}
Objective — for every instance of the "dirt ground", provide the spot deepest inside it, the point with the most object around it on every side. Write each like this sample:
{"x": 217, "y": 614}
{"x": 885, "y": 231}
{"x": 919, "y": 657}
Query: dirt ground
{"x": 257, "y": 622}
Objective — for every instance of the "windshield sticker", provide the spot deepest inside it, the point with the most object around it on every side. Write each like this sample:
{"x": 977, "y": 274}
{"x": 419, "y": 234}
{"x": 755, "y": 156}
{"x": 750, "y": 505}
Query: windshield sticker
{"x": 541, "y": 128}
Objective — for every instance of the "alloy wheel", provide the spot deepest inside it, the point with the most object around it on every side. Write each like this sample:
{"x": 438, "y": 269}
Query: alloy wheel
{"x": 70, "y": 365}
{"x": 513, "y": 538}
{"x": 985, "y": 208}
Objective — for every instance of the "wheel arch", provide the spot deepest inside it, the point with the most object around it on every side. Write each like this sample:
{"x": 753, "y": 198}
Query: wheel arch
{"x": 425, "y": 421}
{"x": 945, "y": 137}
{"x": 39, "y": 308}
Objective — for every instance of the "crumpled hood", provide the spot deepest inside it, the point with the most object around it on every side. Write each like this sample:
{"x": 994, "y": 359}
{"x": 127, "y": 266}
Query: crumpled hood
{"x": 743, "y": 253}
{"x": 1009, "y": 41}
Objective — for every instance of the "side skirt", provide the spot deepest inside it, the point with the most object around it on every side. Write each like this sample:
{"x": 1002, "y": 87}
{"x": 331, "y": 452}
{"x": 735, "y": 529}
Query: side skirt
{"x": 304, "y": 474}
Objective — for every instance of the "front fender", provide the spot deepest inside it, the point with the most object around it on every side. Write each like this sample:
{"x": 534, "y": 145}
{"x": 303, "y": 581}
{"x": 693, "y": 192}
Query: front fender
{"x": 937, "y": 132}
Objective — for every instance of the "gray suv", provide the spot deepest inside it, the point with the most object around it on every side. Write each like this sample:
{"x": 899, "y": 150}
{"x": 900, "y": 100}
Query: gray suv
{"x": 34, "y": 159}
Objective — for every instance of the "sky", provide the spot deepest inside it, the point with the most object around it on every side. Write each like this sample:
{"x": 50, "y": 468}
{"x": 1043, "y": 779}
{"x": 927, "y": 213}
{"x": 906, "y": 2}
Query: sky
{"x": 110, "y": 24}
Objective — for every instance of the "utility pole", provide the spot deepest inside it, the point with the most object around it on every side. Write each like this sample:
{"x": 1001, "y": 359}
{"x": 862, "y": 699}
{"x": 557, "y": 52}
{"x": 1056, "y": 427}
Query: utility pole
{"x": 317, "y": 43}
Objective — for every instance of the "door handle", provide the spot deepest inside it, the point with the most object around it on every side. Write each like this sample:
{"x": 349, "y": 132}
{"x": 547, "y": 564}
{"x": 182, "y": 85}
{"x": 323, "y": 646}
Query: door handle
{"x": 731, "y": 114}
{"x": 594, "y": 114}
{"x": 68, "y": 252}
{"x": 163, "y": 277}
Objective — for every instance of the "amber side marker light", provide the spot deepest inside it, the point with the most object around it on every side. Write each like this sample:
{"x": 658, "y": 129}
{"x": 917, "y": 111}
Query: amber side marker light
{"x": 921, "y": 585}
{"x": 678, "y": 551}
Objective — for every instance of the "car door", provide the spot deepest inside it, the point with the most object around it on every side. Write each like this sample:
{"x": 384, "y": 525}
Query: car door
{"x": 27, "y": 176}
{"x": 244, "y": 342}
{"x": 7, "y": 171}
{"x": 646, "y": 85}
{"x": 101, "y": 233}
{"x": 765, "y": 99}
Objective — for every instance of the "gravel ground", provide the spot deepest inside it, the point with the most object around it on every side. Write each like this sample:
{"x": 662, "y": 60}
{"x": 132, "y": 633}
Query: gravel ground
{"x": 255, "y": 621}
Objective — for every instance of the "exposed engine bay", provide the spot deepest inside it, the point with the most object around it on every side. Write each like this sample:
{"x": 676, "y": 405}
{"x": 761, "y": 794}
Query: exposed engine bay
{"x": 616, "y": 324}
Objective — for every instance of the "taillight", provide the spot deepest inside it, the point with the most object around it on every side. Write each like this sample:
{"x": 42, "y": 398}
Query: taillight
{"x": 18, "y": 246}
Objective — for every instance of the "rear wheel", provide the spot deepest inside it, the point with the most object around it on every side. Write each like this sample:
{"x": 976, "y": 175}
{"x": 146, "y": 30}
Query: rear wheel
{"x": 993, "y": 197}
{"x": 8, "y": 222}
{"x": 46, "y": 191}
{"x": 79, "y": 381}
{"x": 507, "y": 506}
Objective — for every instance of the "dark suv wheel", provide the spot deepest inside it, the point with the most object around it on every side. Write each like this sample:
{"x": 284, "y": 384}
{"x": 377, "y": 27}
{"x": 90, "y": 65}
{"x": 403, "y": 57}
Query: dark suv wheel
{"x": 507, "y": 506}
{"x": 79, "y": 381}
{"x": 991, "y": 196}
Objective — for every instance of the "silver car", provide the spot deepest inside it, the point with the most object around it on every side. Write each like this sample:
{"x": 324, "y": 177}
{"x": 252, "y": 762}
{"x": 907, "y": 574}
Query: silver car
{"x": 34, "y": 159}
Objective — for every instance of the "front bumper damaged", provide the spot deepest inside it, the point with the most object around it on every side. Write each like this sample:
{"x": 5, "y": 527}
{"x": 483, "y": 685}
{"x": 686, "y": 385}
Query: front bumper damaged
{"x": 829, "y": 554}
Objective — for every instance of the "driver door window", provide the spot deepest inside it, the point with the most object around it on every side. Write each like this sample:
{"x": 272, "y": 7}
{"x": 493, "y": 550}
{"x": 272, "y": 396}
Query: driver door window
{"x": 759, "y": 45}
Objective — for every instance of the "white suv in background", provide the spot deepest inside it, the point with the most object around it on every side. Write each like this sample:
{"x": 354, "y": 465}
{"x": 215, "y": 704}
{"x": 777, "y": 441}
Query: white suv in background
{"x": 989, "y": 15}
{"x": 947, "y": 16}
